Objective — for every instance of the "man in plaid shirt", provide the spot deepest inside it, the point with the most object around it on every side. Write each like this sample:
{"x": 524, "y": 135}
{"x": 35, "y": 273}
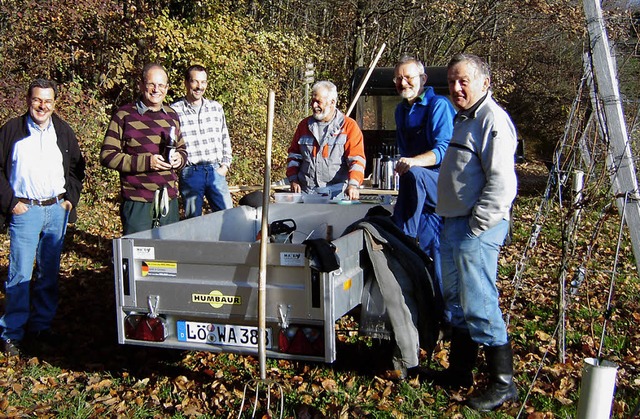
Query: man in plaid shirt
{"x": 205, "y": 133}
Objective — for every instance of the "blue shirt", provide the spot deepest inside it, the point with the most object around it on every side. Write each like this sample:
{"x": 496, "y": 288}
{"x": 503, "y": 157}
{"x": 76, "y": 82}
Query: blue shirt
{"x": 425, "y": 125}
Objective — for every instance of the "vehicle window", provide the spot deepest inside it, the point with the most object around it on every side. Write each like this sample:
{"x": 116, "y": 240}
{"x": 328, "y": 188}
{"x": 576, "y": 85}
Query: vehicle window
{"x": 377, "y": 112}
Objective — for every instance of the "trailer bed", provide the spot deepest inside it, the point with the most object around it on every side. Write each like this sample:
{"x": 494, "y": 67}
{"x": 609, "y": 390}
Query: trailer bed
{"x": 194, "y": 284}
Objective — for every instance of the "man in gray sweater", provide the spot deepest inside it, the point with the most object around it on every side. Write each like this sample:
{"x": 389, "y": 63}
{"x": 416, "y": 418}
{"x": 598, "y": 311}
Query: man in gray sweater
{"x": 476, "y": 188}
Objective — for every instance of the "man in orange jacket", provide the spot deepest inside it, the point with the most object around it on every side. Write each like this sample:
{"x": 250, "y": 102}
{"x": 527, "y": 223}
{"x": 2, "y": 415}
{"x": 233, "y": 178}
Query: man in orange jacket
{"x": 327, "y": 152}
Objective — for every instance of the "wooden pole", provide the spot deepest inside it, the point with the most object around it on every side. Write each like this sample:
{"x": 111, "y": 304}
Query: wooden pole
{"x": 264, "y": 240}
{"x": 365, "y": 79}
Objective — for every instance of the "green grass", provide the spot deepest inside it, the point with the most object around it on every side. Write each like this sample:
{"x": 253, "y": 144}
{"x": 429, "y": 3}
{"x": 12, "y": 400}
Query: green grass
{"x": 154, "y": 384}
{"x": 77, "y": 407}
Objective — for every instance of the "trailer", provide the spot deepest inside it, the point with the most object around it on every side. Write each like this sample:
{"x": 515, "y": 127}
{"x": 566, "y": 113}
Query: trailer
{"x": 193, "y": 285}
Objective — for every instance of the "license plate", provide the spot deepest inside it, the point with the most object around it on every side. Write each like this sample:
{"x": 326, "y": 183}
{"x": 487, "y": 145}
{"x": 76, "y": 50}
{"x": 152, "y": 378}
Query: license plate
{"x": 220, "y": 334}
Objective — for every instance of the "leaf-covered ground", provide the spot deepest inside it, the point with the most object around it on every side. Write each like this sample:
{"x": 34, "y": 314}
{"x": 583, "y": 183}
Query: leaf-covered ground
{"x": 88, "y": 374}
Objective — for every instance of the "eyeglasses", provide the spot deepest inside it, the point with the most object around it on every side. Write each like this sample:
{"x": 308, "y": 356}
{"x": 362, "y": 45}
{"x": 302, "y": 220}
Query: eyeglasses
{"x": 151, "y": 86}
{"x": 398, "y": 79}
{"x": 37, "y": 101}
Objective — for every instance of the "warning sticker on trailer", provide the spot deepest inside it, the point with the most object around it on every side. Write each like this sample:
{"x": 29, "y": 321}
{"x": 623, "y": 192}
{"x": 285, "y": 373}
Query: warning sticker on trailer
{"x": 159, "y": 268}
{"x": 291, "y": 259}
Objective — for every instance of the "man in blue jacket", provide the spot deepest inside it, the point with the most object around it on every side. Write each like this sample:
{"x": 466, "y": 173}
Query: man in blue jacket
{"x": 41, "y": 173}
{"x": 424, "y": 125}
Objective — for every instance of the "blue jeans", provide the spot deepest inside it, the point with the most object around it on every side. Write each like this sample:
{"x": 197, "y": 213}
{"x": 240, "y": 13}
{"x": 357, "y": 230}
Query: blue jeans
{"x": 203, "y": 180}
{"x": 37, "y": 234}
{"x": 469, "y": 271}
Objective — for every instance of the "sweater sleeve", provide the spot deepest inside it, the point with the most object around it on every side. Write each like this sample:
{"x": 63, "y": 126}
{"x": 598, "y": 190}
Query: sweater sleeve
{"x": 497, "y": 159}
{"x": 112, "y": 154}
{"x": 7, "y": 198}
{"x": 77, "y": 165}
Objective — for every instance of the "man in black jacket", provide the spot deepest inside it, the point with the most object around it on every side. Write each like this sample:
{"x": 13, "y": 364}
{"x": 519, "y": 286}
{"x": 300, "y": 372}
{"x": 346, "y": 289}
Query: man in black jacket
{"x": 41, "y": 173}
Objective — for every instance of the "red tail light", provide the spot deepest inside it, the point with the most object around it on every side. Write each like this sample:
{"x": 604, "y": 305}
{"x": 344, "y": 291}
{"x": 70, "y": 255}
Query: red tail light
{"x": 145, "y": 327}
{"x": 301, "y": 340}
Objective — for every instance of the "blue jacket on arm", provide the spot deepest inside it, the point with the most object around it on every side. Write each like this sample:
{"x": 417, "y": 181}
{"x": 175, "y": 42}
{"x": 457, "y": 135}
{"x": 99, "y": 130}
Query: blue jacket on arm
{"x": 425, "y": 125}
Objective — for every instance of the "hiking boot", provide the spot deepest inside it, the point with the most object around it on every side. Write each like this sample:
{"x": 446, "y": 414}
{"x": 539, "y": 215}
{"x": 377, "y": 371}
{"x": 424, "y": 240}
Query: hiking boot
{"x": 11, "y": 347}
{"x": 462, "y": 358}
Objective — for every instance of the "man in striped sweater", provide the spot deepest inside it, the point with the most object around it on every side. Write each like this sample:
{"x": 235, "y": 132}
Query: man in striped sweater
{"x": 144, "y": 143}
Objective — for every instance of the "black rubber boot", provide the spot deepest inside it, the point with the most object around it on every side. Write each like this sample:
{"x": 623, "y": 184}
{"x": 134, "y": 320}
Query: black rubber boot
{"x": 501, "y": 387}
{"x": 462, "y": 358}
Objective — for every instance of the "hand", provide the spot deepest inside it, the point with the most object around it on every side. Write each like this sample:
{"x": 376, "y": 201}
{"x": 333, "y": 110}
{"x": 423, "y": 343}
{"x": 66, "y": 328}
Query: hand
{"x": 223, "y": 170}
{"x": 158, "y": 163}
{"x": 404, "y": 164}
{"x": 20, "y": 208}
{"x": 295, "y": 187}
{"x": 352, "y": 192}
{"x": 176, "y": 160}
{"x": 67, "y": 205}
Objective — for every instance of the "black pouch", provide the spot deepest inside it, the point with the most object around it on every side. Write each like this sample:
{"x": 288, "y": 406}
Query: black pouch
{"x": 322, "y": 255}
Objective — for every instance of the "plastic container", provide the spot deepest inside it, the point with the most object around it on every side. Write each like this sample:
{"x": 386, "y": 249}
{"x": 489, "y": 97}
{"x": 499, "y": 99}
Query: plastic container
{"x": 597, "y": 389}
{"x": 287, "y": 197}
{"x": 315, "y": 199}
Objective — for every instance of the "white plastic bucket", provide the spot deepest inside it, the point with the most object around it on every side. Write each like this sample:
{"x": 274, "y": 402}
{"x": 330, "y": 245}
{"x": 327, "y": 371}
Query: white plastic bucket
{"x": 597, "y": 388}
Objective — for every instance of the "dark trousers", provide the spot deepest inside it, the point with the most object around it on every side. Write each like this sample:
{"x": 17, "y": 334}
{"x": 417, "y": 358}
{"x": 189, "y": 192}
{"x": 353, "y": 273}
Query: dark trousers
{"x": 414, "y": 213}
{"x": 138, "y": 216}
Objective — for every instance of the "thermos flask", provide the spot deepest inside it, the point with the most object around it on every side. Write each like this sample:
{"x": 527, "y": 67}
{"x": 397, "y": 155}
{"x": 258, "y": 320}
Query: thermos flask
{"x": 387, "y": 173}
{"x": 375, "y": 173}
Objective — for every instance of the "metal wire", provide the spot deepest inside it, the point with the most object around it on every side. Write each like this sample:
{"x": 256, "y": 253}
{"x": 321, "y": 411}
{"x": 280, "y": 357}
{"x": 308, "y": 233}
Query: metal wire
{"x": 613, "y": 278}
{"x": 564, "y": 159}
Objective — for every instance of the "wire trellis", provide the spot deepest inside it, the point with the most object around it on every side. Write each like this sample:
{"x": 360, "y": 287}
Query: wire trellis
{"x": 583, "y": 148}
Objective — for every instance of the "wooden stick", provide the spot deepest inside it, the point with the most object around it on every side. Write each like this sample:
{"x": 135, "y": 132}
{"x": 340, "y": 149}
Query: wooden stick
{"x": 366, "y": 78}
{"x": 264, "y": 240}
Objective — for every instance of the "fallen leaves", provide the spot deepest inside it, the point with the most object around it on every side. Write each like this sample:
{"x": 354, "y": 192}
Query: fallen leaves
{"x": 93, "y": 373}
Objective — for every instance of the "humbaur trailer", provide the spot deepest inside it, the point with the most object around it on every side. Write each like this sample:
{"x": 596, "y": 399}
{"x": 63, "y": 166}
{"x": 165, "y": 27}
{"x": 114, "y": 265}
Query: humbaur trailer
{"x": 194, "y": 284}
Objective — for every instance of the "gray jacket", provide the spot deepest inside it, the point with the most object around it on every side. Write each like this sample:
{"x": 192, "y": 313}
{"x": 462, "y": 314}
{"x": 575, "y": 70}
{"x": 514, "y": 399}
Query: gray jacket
{"x": 414, "y": 307}
{"x": 477, "y": 175}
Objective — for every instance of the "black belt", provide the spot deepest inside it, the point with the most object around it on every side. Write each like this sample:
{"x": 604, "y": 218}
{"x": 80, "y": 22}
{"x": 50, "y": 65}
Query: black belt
{"x": 42, "y": 203}
{"x": 201, "y": 163}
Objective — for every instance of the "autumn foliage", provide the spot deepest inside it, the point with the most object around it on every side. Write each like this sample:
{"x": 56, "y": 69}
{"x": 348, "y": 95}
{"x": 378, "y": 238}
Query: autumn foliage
{"x": 95, "y": 49}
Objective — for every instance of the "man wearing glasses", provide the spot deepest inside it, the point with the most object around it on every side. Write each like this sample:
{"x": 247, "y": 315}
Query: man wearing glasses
{"x": 205, "y": 132}
{"x": 424, "y": 125}
{"x": 144, "y": 143}
{"x": 41, "y": 173}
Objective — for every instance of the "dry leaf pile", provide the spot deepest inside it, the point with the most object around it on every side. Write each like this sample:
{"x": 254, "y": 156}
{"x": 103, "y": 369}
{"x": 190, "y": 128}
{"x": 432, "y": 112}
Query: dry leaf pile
{"x": 89, "y": 375}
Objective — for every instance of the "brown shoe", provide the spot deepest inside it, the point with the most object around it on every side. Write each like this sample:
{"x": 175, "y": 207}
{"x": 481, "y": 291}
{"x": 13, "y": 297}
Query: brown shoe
{"x": 11, "y": 347}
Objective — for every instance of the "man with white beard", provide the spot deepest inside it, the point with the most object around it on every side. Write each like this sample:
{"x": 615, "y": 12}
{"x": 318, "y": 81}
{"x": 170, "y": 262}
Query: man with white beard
{"x": 424, "y": 125}
{"x": 327, "y": 150}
